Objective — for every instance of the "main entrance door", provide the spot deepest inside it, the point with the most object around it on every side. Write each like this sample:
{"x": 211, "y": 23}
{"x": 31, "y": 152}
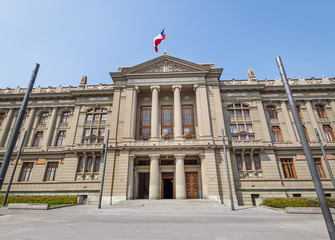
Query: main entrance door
{"x": 192, "y": 185}
{"x": 143, "y": 186}
{"x": 167, "y": 186}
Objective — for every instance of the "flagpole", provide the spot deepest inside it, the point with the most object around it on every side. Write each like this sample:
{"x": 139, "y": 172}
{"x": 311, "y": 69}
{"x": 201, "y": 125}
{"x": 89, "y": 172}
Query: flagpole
{"x": 165, "y": 38}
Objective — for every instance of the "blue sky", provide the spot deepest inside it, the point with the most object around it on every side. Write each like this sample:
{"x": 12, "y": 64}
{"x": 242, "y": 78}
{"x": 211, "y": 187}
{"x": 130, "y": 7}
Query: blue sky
{"x": 72, "y": 38}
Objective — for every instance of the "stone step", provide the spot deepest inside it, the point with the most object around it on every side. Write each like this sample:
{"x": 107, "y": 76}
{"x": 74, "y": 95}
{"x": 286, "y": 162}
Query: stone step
{"x": 147, "y": 202}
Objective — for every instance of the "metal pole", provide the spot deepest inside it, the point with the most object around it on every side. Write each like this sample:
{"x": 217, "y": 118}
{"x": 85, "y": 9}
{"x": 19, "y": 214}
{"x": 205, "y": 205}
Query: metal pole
{"x": 308, "y": 153}
{"x": 103, "y": 171}
{"x": 325, "y": 157}
{"x": 17, "y": 126}
{"x": 227, "y": 170}
{"x": 14, "y": 169}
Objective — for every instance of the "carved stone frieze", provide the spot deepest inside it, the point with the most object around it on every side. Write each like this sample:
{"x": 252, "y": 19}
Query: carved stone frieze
{"x": 166, "y": 66}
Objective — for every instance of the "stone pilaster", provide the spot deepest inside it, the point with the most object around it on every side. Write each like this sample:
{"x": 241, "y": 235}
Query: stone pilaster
{"x": 134, "y": 113}
{"x": 129, "y": 108}
{"x": 288, "y": 123}
{"x": 6, "y": 126}
{"x": 154, "y": 112}
{"x": 199, "y": 113}
{"x": 202, "y": 100}
{"x": 266, "y": 133}
{"x": 130, "y": 189}
{"x": 154, "y": 177}
{"x": 180, "y": 177}
{"x": 51, "y": 127}
{"x": 204, "y": 176}
{"x": 178, "y": 122}
{"x": 30, "y": 125}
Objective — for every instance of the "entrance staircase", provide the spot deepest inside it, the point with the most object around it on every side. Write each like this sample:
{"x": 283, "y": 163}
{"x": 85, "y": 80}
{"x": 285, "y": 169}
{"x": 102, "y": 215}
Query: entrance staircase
{"x": 161, "y": 202}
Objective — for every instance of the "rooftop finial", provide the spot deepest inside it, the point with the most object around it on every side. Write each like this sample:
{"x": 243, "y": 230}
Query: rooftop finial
{"x": 165, "y": 53}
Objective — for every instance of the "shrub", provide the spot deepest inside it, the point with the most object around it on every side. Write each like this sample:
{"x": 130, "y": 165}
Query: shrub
{"x": 51, "y": 199}
{"x": 295, "y": 202}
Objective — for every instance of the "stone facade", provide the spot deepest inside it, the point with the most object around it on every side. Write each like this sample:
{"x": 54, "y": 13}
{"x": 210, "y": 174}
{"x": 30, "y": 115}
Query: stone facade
{"x": 165, "y": 118}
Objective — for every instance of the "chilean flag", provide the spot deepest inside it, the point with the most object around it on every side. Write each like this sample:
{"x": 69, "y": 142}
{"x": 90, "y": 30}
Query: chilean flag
{"x": 158, "y": 39}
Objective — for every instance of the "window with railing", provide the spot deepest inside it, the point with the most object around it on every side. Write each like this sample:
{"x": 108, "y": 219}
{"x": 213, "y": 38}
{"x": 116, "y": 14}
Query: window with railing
{"x": 188, "y": 120}
{"x": 93, "y": 135}
{"x": 145, "y": 122}
{"x": 242, "y": 131}
{"x": 276, "y": 131}
{"x": 251, "y": 162}
{"x": 328, "y": 133}
{"x": 89, "y": 164}
{"x": 319, "y": 167}
{"x": 288, "y": 168}
{"x": 271, "y": 112}
{"x": 44, "y": 118}
{"x": 320, "y": 109}
{"x": 166, "y": 120}
{"x": 94, "y": 130}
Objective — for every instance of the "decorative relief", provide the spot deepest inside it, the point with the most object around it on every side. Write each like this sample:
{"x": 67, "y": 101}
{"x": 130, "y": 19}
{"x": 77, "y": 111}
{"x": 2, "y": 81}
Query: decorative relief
{"x": 55, "y": 149}
{"x": 165, "y": 143}
{"x": 247, "y": 143}
{"x": 166, "y": 66}
{"x": 89, "y": 146}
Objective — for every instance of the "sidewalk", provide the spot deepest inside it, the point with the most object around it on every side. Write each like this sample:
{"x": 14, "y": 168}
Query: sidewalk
{"x": 160, "y": 222}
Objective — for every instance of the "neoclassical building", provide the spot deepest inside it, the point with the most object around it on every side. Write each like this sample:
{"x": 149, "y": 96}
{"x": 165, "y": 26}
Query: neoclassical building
{"x": 165, "y": 118}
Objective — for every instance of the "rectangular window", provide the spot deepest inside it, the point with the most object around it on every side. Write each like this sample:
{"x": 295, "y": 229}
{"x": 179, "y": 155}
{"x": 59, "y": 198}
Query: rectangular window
{"x": 96, "y": 117}
{"x": 95, "y": 131}
{"x": 249, "y": 128}
{"x": 233, "y": 128}
{"x": 167, "y": 120}
{"x": 288, "y": 168}
{"x": 89, "y": 118}
{"x": 51, "y": 171}
{"x": 89, "y": 164}
{"x": 87, "y": 132}
{"x": 231, "y": 113}
{"x": 145, "y": 121}
{"x": 247, "y": 161}
{"x": 17, "y": 139}
{"x": 81, "y": 165}
{"x": 320, "y": 109}
{"x": 329, "y": 133}
{"x": 257, "y": 162}
{"x": 234, "y": 138}
{"x": 241, "y": 128}
{"x": 188, "y": 119}
{"x": 61, "y": 138}
{"x": 277, "y": 134}
{"x": 38, "y": 139}
{"x": 246, "y": 113}
{"x": 26, "y": 171}
{"x": 251, "y": 137}
{"x": 238, "y": 113}
{"x": 319, "y": 167}
{"x": 101, "y": 132}
{"x": 244, "y": 137}
{"x": 97, "y": 164}
{"x": 272, "y": 113}
{"x": 104, "y": 117}
{"x": 238, "y": 161}
{"x": 306, "y": 133}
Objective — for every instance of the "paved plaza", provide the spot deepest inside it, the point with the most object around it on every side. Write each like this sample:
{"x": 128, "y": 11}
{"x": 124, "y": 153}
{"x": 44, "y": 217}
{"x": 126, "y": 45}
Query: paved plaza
{"x": 159, "y": 222}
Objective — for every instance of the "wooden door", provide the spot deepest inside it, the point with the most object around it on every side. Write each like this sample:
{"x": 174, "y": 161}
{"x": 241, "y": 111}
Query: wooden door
{"x": 192, "y": 185}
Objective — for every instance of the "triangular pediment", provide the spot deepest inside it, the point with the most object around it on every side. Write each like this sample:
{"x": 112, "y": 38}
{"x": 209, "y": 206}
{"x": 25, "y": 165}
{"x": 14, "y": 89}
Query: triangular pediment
{"x": 166, "y": 64}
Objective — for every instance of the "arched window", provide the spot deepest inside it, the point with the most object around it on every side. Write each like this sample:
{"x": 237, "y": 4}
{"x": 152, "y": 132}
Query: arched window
{"x": 66, "y": 117}
{"x": 238, "y": 111}
{"x": 44, "y": 118}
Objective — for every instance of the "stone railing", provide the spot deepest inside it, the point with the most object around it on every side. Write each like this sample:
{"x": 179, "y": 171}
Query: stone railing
{"x": 55, "y": 149}
{"x": 89, "y": 146}
{"x": 166, "y": 143}
{"x": 283, "y": 144}
{"x": 246, "y": 143}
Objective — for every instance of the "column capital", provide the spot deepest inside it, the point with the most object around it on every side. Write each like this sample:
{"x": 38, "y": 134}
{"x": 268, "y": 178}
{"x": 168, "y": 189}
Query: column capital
{"x": 202, "y": 156}
{"x": 132, "y": 156}
{"x": 155, "y": 87}
{"x": 154, "y": 156}
{"x": 179, "y": 155}
{"x": 137, "y": 89}
{"x": 176, "y": 86}
{"x": 195, "y": 86}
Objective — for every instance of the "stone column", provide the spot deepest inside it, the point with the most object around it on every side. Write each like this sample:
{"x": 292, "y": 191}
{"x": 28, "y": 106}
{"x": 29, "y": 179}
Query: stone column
{"x": 130, "y": 177}
{"x": 203, "y": 177}
{"x": 314, "y": 123}
{"x": 5, "y": 127}
{"x": 266, "y": 134}
{"x": 32, "y": 130}
{"x": 58, "y": 122}
{"x": 134, "y": 113}
{"x": 154, "y": 176}
{"x": 199, "y": 119}
{"x": 30, "y": 125}
{"x": 51, "y": 127}
{"x": 178, "y": 121}
{"x": 180, "y": 177}
{"x": 154, "y": 112}
{"x": 288, "y": 123}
